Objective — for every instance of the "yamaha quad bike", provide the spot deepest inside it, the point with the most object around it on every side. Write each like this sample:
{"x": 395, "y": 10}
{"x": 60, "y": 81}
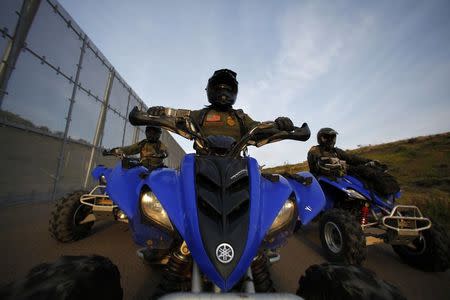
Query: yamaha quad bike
{"x": 356, "y": 216}
{"x": 215, "y": 224}
{"x": 74, "y": 215}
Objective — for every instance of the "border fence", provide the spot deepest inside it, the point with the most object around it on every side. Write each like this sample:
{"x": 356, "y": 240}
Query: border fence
{"x": 61, "y": 103}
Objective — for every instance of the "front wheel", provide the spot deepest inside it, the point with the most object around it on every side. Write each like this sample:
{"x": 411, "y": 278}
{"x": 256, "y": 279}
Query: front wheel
{"x": 70, "y": 277}
{"x": 328, "y": 281}
{"x": 429, "y": 252}
{"x": 342, "y": 237}
{"x": 66, "y": 220}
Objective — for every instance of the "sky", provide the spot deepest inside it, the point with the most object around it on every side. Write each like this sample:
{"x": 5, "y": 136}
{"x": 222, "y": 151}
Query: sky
{"x": 375, "y": 71}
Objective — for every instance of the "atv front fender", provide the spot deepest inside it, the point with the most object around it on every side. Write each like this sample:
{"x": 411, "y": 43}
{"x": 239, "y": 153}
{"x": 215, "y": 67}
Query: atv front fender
{"x": 309, "y": 196}
{"x": 100, "y": 170}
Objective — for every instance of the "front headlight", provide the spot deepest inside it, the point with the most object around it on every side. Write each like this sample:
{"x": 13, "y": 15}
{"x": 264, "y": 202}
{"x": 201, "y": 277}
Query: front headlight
{"x": 284, "y": 216}
{"x": 153, "y": 210}
{"x": 102, "y": 180}
{"x": 354, "y": 194}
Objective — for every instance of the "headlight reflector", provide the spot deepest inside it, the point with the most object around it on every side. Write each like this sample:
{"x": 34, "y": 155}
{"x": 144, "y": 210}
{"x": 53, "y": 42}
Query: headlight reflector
{"x": 354, "y": 194}
{"x": 102, "y": 180}
{"x": 152, "y": 209}
{"x": 284, "y": 216}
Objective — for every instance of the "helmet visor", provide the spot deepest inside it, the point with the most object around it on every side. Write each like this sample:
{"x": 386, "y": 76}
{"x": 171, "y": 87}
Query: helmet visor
{"x": 328, "y": 140}
{"x": 153, "y": 133}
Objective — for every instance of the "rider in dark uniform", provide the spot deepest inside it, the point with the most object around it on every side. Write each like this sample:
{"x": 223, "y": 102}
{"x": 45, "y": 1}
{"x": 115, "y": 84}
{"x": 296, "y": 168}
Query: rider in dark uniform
{"x": 326, "y": 159}
{"x": 220, "y": 118}
{"x": 151, "y": 150}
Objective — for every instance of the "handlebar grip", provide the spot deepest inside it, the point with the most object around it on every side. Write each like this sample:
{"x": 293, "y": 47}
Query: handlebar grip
{"x": 137, "y": 117}
{"x": 106, "y": 152}
{"x": 302, "y": 133}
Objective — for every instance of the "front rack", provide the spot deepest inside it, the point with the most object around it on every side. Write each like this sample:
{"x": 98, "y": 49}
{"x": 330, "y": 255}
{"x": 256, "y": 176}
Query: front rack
{"x": 406, "y": 220}
{"x": 98, "y": 201}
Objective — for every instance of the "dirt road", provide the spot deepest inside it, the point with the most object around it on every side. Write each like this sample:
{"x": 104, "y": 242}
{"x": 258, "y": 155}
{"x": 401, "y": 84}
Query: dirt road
{"x": 25, "y": 242}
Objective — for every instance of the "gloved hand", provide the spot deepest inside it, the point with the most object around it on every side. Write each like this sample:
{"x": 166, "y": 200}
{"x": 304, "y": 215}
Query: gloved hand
{"x": 284, "y": 124}
{"x": 112, "y": 151}
{"x": 374, "y": 163}
{"x": 156, "y": 111}
{"x": 161, "y": 154}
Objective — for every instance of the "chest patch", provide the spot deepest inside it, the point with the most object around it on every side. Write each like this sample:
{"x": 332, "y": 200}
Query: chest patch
{"x": 231, "y": 121}
{"x": 213, "y": 118}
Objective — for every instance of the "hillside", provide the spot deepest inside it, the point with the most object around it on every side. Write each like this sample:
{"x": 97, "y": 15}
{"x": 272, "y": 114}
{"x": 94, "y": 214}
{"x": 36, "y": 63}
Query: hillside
{"x": 421, "y": 165}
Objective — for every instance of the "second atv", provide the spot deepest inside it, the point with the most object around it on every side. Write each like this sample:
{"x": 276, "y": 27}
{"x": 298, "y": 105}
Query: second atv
{"x": 357, "y": 216}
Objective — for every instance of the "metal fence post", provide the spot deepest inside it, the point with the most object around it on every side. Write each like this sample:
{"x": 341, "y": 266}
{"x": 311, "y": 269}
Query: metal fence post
{"x": 68, "y": 119}
{"x": 126, "y": 118}
{"x": 100, "y": 125}
{"x": 12, "y": 51}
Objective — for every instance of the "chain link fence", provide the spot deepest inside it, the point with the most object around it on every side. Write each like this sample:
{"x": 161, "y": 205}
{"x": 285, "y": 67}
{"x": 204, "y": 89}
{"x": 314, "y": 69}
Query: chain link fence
{"x": 61, "y": 103}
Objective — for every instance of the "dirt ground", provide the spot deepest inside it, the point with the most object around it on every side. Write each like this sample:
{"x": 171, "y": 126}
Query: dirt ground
{"x": 25, "y": 242}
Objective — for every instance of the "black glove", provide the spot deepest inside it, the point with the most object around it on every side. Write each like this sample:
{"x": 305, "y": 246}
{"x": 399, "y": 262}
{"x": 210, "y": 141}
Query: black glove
{"x": 284, "y": 124}
{"x": 373, "y": 163}
{"x": 377, "y": 164}
{"x": 156, "y": 111}
{"x": 111, "y": 151}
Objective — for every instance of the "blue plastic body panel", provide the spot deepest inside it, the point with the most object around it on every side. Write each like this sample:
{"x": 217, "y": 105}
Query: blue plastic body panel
{"x": 330, "y": 187}
{"x": 310, "y": 198}
{"x": 176, "y": 190}
{"x": 99, "y": 171}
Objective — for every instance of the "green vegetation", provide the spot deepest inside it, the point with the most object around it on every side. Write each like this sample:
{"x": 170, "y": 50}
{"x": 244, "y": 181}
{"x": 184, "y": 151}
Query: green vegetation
{"x": 422, "y": 167}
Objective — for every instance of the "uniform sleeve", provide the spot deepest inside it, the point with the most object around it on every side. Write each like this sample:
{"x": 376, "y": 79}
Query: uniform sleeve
{"x": 249, "y": 123}
{"x": 351, "y": 159}
{"x": 130, "y": 150}
{"x": 196, "y": 115}
{"x": 313, "y": 159}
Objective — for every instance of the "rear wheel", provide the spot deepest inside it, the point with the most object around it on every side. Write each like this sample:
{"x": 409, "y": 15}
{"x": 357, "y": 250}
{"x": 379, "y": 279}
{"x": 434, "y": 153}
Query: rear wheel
{"x": 342, "y": 237}
{"x": 65, "y": 223}
{"x": 328, "y": 281}
{"x": 429, "y": 252}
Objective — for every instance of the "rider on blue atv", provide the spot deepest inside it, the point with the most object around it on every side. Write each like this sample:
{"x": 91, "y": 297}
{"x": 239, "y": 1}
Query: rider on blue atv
{"x": 326, "y": 159}
{"x": 220, "y": 118}
{"x": 151, "y": 150}
{"x": 362, "y": 210}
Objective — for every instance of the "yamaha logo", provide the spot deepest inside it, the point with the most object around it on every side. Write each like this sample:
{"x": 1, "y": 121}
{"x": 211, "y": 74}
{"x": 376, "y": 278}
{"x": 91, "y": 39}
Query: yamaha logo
{"x": 224, "y": 253}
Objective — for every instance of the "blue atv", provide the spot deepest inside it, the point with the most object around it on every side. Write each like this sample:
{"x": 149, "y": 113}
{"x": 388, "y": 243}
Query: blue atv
{"x": 217, "y": 221}
{"x": 357, "y": 216}
{"x": 74, "y": 215}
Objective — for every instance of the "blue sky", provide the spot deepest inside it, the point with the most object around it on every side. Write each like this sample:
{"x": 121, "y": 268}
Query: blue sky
{"x": 376, "y": 71}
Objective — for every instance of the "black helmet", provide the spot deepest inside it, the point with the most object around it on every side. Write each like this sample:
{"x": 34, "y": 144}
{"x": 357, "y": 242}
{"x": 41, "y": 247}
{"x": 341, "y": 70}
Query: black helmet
{"x": 222, "y": 88}
{"x": 153, "y": 133}
{"x": 327, "y": 137}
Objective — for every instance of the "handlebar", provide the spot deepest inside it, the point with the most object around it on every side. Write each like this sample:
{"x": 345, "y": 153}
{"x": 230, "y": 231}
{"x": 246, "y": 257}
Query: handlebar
{"x": 267, "y": 132}
{"x": 109, "y": 152}
{"x": 181, "y": 123}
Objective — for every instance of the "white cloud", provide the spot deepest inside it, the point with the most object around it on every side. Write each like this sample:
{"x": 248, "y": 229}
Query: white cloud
{"x": 314, "y": 40}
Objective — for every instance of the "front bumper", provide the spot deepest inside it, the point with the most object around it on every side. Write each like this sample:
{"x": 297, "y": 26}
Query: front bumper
{"x": 406, "y": 220}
